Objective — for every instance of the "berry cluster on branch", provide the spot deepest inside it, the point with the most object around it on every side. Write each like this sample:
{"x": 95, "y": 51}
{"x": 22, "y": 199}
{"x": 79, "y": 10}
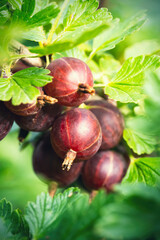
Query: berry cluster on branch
{"x": 77, "y": 140}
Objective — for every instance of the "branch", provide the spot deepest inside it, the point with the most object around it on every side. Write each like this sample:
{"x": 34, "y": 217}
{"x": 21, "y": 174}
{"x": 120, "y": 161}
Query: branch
{"x": 20, "y": 49}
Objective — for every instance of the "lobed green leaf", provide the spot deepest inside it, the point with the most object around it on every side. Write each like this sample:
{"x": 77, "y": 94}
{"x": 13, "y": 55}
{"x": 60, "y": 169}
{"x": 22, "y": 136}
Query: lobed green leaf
{"x": 27, "y": 21}
{"x": 117, "y": 33}
{"x": 16, "y": 4}
{"x": 42, "y": 214}
{"x": 82, "y": 22}
{"x": 27, "y": 9}
{"x": 40, "y": 4}
{"x": 127, "y": 85}
{"x": 21, "y": 85}
{"x": 148, "y": 123}
{"x": 140, "y": 143}
{"x": 145, "y": 170}
{"x": 44, "y": 16}
{"x": 4, "y": 15}
{"x": 12, "y": 223}
{"x": 35, "y": 34}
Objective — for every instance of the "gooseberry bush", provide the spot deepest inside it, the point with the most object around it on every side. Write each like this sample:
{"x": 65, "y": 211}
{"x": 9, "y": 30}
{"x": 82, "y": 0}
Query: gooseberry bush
{"x": 92, "y": 119}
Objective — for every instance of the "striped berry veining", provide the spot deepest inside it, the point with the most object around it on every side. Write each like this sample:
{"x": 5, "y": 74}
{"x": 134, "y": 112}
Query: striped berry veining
{"x": 111, "y": 122}
{"x": 103, "y": 170}
{"x": 76, "y": 134}
{"x": 72, "y": 81}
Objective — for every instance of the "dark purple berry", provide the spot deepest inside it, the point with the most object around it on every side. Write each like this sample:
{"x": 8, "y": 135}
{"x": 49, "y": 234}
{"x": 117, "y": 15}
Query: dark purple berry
{"x": 25, "y": 109}
{"x": 111, "y": 122}
{"x": 76, "y": 134}
{"x": 48, "y": 165}
{"x": 41, "y": 121}
{"x": 6, "y": 120}
{"x": 103, "y": 170}
{"x": 72, "y": 81}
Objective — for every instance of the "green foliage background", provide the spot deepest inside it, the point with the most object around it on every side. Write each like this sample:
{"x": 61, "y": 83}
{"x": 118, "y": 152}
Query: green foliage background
{"x": 133, "y": 211}
{"x": 19, "y": 184}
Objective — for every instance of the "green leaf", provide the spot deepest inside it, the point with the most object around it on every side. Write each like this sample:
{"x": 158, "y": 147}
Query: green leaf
{"x": 79, "y": 13}
{"x": 13, "y": 223}
{"x": 74, "y": 52}
{"x": 42, "y": 214}
{"x": 5, "y": 219}
{"x": 4, "y": 15}
{"x": 2, "y": 3}
{"x": 145, "y": 47}
{"x": 148, "y": 123}
{"x": 16, "y": 4}
{"x": 127, "y": 85}
{"x": 21, "y": 85}
{"x": 140, "y": 143}
{"x": 152, "y": 87}
{"x": 81, "y": 23}
{"x": 23, "y": 13}
{"x": 35, "y": 34}
{"x": 104, "y": 68}
{"x": 44, "y": 16}
{"x": 40, "y": 4}
{"x": 19, "y": 226}
{"x": 134, "y": 214}
{"x": 117, "y": 33}
{"x": 27, "y": 8}
{"x": 77, "y": 226}
{"x": 26, "y": 21}
{"x": 5, "y": 210}
{"x": 146, "y": 170}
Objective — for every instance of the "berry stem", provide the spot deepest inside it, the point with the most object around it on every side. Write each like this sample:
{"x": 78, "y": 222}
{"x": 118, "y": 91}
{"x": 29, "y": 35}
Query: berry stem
{"x": 22, "y": 135}
{"x": 92, "y": 195}
{"x": 52, "y": 188}
{"x": 70, "y": 157}
{"x": 47, "y": 60}
{"x": 85, "y": 88}
{"x": 45, "y": 99}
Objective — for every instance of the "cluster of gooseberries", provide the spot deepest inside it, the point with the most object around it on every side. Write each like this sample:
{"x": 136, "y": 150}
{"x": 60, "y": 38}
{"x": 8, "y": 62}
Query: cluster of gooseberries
{"x": 76, "y": 141}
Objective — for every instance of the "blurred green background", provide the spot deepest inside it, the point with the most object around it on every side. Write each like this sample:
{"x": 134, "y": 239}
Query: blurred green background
{"x": 124, "y": 9}
{"x": 18, "y": 182}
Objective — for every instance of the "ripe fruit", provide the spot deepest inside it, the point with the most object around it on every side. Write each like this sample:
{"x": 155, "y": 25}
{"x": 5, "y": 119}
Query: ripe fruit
{"x": 6, "y": 120}
{"x": 76, "y": 134}
{"x": 103, "y": 170}
{"x": 72, "y": 81}
{"x": 41, "y": 121}
{"x": 24, "y": 109}
{"x": 48, "y": 165}
{"x": 111, "y": 122}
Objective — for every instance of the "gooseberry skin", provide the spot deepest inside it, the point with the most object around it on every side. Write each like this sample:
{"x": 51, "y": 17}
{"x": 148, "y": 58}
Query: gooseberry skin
{"x": 24, "y": 109}
{"x": 68, "y": 73}
{"x": 48, "y": 165}
{"x": 6, "y": 120}
{"x": 77, "y": 130}
{"x": 41, "y": 121}
{"x": 103, "y": 170}
{"x": 111, "y": 121}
